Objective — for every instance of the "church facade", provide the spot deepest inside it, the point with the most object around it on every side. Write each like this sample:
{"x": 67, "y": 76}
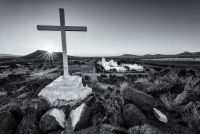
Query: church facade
{"x": 112, "y": 66}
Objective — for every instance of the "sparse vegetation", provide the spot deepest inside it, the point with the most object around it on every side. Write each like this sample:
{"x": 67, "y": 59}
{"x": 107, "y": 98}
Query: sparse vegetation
{"x": 161, "y": 84}
{"x": 192, "y": 118}
{"x": 168, "y": 100}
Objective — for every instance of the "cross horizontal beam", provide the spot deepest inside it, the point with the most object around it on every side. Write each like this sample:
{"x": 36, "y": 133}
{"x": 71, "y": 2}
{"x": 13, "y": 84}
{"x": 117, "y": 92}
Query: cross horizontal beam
{"x": 60, "y": 28}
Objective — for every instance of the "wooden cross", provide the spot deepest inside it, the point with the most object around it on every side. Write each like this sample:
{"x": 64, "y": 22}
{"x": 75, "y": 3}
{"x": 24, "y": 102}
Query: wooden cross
{"x": 63, "y": 28}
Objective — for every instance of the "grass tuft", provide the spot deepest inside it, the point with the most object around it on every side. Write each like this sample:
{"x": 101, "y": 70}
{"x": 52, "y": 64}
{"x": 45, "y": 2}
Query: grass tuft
{"x": 167, "y": 99}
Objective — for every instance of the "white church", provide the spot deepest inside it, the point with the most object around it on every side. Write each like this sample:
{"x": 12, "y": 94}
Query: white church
{"x": 112, "y": 66}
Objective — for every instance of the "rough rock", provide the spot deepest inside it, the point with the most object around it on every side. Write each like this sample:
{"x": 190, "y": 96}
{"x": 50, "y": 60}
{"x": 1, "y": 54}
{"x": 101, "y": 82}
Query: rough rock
{"x": 34, "y": 86}
{"x": 97, "y": 107}
{"x": 195, "y": 81}
{"x": 143, "y": 86}
{"x": 139, "y": 98}
{"x": 181, "y": 98}
{"x": 159, "y": 115}
{"x": 24, "y": 95}
{"x": 36, "y": 107}
{"x": 89, "y": 101}
{"x": 3, "y": 93}
{"x": 56, "y": 132}
{"x": 133, "y": 116}
{"x": 52, "y": 119}
{"x": 192, "y": 82}
{"x": 11, "y": 104}
{"x": 16, "y": 112}
{"x": 190, "y": 106}
{"x": 29, "y": 125}
{"x": 144, "y": 129}
{"x": 96, "y": 119}
{"x": 106, "y": 128}
{"x": 80, "y": 117}
{"x": 188, "y": 85}
{"x": 21, "y": 88}
{"x": 90, "y": 130}
{"x": 96, "y": 113}
{"x": 8, "y": 123}
{"x": 197, "y": 90}
{"x": 116, "y": 119}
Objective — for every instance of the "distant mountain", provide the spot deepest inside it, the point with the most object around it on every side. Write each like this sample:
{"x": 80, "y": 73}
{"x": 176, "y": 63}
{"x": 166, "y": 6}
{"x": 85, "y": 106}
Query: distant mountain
{"x": 2, "y": 56}
{"x": 128, "y": 55}
{"x": 189, "y": 53}
{"x": 186, "y": 53}
{"x": 40, "y": 54}
{"x": 197, "y": 53}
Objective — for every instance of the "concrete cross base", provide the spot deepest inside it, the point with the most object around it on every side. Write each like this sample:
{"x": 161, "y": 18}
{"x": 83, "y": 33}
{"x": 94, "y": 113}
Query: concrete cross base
{"x": 65, "y": 89}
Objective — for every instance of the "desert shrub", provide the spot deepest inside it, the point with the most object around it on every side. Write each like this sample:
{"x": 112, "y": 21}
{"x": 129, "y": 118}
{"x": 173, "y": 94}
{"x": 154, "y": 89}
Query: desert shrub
{"x": 123, "y": 85}
{"x": 121, "y": 78}
{"x": 157, "y": 68}
{"x": 153, "y": 75}
{"x": 4, "y": 81}
{"x": 95, "y": 86}
{"x": 172, "y": 65}
{"x": 15, "y": 76}
{"x": 167, "y": 99}
{"x": 140, "y": 76}
{"x": 28, "y": 73}
{"x": 113, "y": 102}
{"x": 141, "y": 80}
{"x": 102, "y": 76}
{"x": 168, "y": 79}
{"x": 132, "y": 78}
{"x": 87, "y": 77}
{"x": 193, "y": 119}
{"x": 164, "y": 71}
{"x": 112, "y": 79}
{"x": 134, "y": 130}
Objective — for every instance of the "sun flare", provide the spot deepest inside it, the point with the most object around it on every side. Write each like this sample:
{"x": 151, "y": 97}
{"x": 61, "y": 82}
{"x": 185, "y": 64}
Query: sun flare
{"x": 50, "y": 51}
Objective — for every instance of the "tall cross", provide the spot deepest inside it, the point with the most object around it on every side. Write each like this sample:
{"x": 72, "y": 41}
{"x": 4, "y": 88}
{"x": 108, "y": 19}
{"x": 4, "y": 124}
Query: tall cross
{"x": 63, "y": 28}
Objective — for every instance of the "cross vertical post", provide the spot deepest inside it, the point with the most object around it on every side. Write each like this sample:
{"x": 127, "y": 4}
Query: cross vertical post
{"x": 64, "y": 43}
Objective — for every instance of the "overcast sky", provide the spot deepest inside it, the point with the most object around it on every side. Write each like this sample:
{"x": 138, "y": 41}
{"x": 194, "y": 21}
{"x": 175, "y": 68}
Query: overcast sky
{"x": 114, "y": 27}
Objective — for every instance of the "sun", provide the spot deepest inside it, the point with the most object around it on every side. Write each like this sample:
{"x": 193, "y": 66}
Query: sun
{"x": 50, "y": 51}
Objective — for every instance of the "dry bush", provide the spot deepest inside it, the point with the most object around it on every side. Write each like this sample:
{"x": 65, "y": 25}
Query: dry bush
{"x": 169, "y": 102}
{"x": 123, "y": 85}
{"x": 113, "y": 102}
{"x": 95, "y": 86}
{"x": 141, "y": 80}
{"x": 134, "y": 130}
{"x": 193, "y": 119}
{"x": 92, "y": 83}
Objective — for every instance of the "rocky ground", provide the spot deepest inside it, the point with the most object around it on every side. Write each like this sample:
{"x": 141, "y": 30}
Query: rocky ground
{"x": 168, "y": 102}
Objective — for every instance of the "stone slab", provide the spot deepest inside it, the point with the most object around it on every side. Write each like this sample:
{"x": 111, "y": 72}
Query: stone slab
{"x": 65, "y": 89}
{"x": 80, "y": 117}
{"x": 159, "y": 115}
